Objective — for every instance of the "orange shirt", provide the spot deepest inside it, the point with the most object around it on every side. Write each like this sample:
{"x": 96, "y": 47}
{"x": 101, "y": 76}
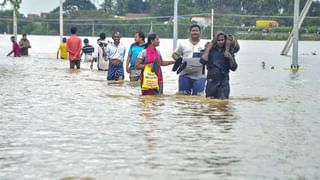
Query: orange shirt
{"x": 74, "y": 46}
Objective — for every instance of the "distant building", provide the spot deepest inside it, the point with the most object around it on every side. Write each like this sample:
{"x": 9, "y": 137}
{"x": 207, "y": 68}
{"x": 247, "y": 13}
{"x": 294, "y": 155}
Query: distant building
{"x": 135, "y": 15}
{"x": 33, "y": 16}
{"x": 171, "y": 19}
{"x": 44, "y": 15}
{"x": 203, "y": 21}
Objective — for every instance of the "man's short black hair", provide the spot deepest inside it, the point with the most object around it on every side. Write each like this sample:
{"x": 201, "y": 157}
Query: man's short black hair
{"x": 24, "y": 34}
{"x": 86, "y": 40}
{"x": 102, "y": 36}
{"x": 64, "y": 39}
{"x": 141, "y": 35}
{"x": 194, "y": 25}
{"x": 73, "y": 30}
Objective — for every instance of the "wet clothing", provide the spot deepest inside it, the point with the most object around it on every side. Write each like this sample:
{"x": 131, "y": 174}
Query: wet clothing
{"x": 75, "y": 63}
{"x": 133, "y": 52}
{"x": 115, "y": 53}
{"x": 102, "y": 61}
{"x": 88, "y": 53}
{"x": 16, "y": 49}
{"x": 24, "y": 46}
{"x": 63, "y": 51}
{"x": 148, "y": 56}
{"x": 115, "y": 71}
{"x": 218, "y": 74}
{"x": 192, "y": 78}
{"x": 135, "y": 74}
{"x": 186, "y": 84}
{"x": 74, "y": 46}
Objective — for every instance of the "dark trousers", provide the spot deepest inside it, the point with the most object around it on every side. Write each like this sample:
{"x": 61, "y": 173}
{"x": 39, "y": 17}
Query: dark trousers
{"x": 74, "y": 63}
{"x": 217, "y": 89}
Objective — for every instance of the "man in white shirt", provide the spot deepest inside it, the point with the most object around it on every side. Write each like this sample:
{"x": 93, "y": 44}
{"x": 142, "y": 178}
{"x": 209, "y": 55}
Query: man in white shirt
{"x": 115, "y": 53}
{"x": 192, "y": 77}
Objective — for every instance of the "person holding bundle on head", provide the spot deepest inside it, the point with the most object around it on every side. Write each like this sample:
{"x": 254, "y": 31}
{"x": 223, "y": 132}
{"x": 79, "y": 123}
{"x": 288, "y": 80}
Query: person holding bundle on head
{"x": 219, "y": 59}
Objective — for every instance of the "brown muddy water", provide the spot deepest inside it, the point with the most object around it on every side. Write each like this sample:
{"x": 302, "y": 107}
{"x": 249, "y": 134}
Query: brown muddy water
{"x": 61, "y": 124}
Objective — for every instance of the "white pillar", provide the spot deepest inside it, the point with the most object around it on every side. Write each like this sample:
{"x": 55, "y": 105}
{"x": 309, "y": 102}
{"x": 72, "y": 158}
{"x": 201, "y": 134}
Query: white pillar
{"x": 93, "y": 30}
{"x": 175, "y": 24}
{"x": 61, "y": 20}
{"x": 295, "y": 35}
{"x": 212, "y": 12}
{"x": 15, "y": 27}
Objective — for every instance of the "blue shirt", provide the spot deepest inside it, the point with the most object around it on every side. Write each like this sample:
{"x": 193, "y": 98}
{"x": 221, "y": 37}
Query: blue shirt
{"x": 218, "y": 65}
{"x": 134, "y": 51}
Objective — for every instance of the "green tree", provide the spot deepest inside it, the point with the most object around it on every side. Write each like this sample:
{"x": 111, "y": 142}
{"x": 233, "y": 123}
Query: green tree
{"x": 121, "y": 7}
{"x": 76, "y": 5}
{"x": 138, "y": 6}
{"x": 107, "y": 6}
{"x": 315, "y": 9}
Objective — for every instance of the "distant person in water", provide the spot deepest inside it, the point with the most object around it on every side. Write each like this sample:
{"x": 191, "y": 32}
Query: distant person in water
{"x": 74, "y": 46}
{"x": 62, "y": 50}
{"x": 15, "y": 48}
{"x": 151, "y": 55}
{"x": 219, "y": 62}
{"x": 102, "y": 61}
{"x": 24, "y": 44}
{"x": 115, "y": 54}
{"x": 87, "y": 50}
{"x": 133, "y": 53}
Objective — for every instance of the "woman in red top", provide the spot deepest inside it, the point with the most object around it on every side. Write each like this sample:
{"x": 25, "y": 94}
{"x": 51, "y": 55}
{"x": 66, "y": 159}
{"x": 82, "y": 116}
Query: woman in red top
{"x": 15, "y": 48}
{"x": 148, "y": 56}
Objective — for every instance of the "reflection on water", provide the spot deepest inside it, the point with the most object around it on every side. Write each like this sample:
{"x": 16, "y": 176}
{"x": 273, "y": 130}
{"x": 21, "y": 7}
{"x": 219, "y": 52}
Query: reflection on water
{"x": 195, "y": 123}
{"x": 57, "y": 123}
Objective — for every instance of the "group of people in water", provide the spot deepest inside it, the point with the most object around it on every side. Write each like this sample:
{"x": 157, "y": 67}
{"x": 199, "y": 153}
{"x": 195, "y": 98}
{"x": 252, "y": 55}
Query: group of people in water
{"x": 189, "y": 60}
{"x": 21, "y": 49}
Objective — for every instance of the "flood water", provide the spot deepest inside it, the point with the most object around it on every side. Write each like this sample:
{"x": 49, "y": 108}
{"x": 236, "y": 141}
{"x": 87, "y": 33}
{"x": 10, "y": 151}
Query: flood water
{"x": 57, "y": 123}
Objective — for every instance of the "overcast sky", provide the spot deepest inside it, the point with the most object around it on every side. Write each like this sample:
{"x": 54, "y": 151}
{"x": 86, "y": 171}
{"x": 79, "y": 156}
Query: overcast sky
{"x": 38, "y": 6}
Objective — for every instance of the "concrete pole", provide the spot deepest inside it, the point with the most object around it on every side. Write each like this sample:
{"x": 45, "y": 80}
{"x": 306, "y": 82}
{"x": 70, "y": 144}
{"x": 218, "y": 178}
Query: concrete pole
{"x": 295, "y": 35}
{"x": 175, "y": 24}
{"x": 47, "y": 28}
{"x": 302, "y": 16}
{"x": 93, "y": 30}
{"x": 212, "y": 12}
{"x": 61, "y": 20}
{"x": 15, "y": 27}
